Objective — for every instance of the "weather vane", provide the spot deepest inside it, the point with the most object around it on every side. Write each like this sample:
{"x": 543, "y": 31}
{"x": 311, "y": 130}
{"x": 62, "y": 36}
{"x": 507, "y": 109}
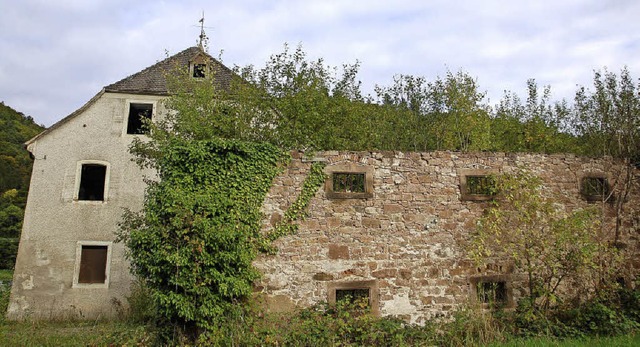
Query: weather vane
{"x": 203, "y": 39}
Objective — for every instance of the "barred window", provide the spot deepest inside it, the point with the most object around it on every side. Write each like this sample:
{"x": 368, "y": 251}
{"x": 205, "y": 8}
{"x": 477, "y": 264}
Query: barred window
{"x": 348, "y": 182}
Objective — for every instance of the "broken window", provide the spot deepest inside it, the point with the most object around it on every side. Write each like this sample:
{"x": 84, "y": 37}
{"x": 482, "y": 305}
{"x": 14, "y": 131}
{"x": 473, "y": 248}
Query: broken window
{"x": 492, "y": 293}
{"x": 352, "y": 296}
{"x": 199, "y": 70}
{"x": 594, "y": 188}
{"x": 92, "y": 182}
{"x": 93, "y": 264}
{"x": 477, "y": 185}
{"x": 347, "y": 182}
{"x": 139, "y": 115}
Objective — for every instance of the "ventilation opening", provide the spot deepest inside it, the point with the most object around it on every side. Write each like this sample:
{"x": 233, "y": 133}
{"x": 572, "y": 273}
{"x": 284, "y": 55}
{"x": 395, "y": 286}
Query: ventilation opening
{"x": 138, "y": 116}
{"x": 93, "y": 264}
{"x": 92, "y": 182}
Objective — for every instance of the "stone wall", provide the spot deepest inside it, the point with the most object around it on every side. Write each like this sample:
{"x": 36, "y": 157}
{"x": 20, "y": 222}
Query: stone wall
{"x": 404, "y": 242}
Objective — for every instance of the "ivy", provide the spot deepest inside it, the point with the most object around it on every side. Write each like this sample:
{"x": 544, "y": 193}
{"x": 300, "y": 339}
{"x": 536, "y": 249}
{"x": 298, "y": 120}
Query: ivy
{"x": 297, "y": 210}
{"x": 199, "y": 232}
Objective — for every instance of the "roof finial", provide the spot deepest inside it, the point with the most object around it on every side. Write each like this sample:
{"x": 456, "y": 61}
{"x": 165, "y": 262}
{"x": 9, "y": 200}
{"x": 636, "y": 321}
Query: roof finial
{"x": 203, "y": 41}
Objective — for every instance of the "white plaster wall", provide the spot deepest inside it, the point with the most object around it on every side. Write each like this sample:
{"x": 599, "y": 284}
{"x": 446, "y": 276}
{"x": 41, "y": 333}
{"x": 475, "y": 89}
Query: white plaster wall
{"x": 54, "y": 222}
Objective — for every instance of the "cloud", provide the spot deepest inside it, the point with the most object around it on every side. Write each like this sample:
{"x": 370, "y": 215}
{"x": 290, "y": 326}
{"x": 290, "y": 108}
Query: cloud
{"x": 56, "y": 55}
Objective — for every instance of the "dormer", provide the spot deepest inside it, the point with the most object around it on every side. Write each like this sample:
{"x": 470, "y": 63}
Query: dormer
{"x": 199, "y": 66}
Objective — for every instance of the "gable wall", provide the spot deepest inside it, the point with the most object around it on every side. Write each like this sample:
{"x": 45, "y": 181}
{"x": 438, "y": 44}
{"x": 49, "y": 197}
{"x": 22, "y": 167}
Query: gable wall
{"x": 55, "y": 222}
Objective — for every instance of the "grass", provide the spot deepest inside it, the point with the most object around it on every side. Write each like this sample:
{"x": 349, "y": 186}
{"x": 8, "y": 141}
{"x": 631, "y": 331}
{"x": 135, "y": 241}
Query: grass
{"x": 616, "y": 341}
{"x": 70, "y": 333}
{"x": 6, "y": 275}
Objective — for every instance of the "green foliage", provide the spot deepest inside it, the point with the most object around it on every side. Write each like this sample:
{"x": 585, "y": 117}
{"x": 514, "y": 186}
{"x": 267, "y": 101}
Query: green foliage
{"x": 297, "y": 210}
{"x": 549, "y": 245}
{"x": 200, "y": 229}
{"x": 15, "y": 173}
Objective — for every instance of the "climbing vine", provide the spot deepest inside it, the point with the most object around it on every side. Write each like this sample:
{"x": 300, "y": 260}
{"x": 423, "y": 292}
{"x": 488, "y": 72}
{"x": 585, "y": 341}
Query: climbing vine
{"x": 297, "y": 210}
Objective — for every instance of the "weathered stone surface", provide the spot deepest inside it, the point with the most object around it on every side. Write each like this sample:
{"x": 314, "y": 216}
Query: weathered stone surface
{"x": 408, "y": 236}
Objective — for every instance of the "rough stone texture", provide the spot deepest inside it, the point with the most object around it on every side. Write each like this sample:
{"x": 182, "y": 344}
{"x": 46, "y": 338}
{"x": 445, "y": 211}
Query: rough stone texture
{"x": 408, "y": 236}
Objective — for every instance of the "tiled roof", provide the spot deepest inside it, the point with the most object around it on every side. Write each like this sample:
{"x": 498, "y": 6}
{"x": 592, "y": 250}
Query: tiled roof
{"x": 151, "y": 81}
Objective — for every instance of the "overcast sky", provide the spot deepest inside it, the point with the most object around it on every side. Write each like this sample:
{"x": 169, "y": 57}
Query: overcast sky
{"x": 55, "y": 55}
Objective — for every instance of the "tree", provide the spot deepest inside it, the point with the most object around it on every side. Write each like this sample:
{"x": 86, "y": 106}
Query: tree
{"x": 607, "y": 120}
{"x": 549, "y": 245}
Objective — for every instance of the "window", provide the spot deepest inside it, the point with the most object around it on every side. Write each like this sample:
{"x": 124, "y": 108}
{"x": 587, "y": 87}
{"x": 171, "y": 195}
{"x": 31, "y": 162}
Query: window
{"x": 351, "y": 296}
{"x": 594, "y": 188}
{"x": 349, "y": 181}
{"x": 92, "y": 182}
{"x": 477, "y": 185}
{"x": 92, "y": 264}
{"x": 199, "y": 70}
{"x": 492, "y": 291}
{"x": 139, "y": 114}
{"x": 345, "y": 182}
{"x": 354, "y": 291}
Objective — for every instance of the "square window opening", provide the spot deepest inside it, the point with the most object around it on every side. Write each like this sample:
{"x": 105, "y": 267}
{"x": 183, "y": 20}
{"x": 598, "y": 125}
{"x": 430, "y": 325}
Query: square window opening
{"x": 93, "y": 264}
{"x": 594, "y": 188}
{"x": 349, "y": 182}
{"x": 492, "y": 293}
{"x": 139, "y": 115}
{"x": 92, "y": 182}
{"x": 481, "y": 185}
{"x": 354, "y": 296}
{"x": 199, "y": 70}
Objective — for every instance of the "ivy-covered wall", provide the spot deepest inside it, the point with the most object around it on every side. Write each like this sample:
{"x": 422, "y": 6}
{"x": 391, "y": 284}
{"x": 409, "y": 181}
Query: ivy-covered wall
{"x": 406, "y": 241}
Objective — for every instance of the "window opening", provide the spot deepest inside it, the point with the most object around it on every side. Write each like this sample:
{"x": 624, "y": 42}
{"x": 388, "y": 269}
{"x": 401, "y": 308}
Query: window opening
{"x": 93, "y": 264}
{"x": 352, "y": 296}
{"x": 481, "y": 185}
{"x": 138, "y": 113}
{"x": 348, "y": 182}
{"x": 492, "y": 293}
{"x": 594, "y": 188}
{"x": 199, "y": 70}
{"x": 92, "y": 182}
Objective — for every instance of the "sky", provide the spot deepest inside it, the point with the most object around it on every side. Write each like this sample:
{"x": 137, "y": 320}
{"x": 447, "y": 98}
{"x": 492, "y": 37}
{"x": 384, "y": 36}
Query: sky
{"x": 56, "y": 55}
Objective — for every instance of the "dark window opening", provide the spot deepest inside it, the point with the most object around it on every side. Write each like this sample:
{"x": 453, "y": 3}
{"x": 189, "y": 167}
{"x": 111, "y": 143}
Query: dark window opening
{"x": 92, "y": 182}
{"x": 348, "y": 182}
{"x": 353, "y": 296}
{"x": 492, "y": 293}
{"x": 138, "y": 116}
{"x": 594, "y": 188}
{"x": 481, "y": 185}
{"x": 199, "y": 70}
{"x": 93, "y": 264}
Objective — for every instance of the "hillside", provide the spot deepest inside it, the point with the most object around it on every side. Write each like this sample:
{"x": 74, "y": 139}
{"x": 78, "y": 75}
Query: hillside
{"x": 15, "y": 172}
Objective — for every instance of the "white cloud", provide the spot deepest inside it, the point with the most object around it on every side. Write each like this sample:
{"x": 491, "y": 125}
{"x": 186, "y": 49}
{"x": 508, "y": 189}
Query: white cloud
{"x": 61, "y": 53}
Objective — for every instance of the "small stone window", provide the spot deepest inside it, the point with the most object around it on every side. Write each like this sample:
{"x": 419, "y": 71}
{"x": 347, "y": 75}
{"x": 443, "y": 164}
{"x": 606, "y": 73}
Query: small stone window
{"x": 92, "y": 182}
{"x": 353, "y": 295}
{"x": 199, "y": 70}
{"x": 92, "y": 264}
{"x": 354, "y": 291}
{"x": 595, "y": 188}
{"x": 349, "y": 181}
{"x": 477, "y": 185}
{"x": 139, "y": 115}
{"x": 492, "y": 291}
